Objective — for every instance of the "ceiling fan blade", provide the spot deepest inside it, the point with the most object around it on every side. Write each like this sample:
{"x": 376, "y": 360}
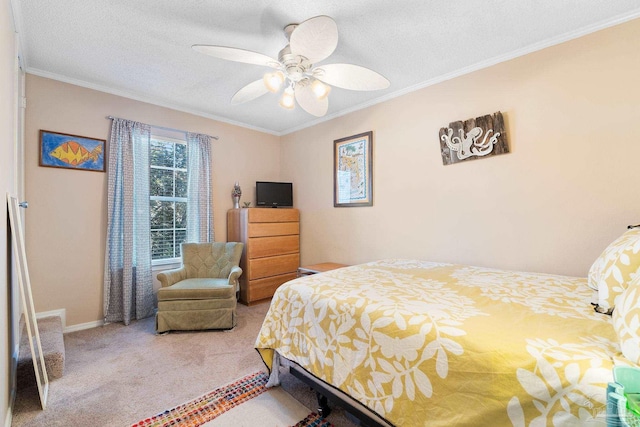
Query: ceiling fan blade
{"x": 315, "y": 38}
{"x": 309, "y": 102}
{"x": 237, "y": 55}
{"x": 348, "y": 76}
{"x": 250, "y": 92}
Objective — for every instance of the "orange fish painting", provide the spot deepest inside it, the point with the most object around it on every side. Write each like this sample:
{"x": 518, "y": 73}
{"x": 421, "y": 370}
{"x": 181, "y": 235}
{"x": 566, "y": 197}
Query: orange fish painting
{"x": 71, "y": 151}
{"x": 75, "y": 154}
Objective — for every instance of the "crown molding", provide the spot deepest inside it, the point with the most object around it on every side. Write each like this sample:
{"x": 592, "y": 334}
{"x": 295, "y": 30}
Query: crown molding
{"x": 439, "y": 79}
{"x": 147, "y": 99}
{"x": 565, "y": 37}
{"x": 16, "y": 14}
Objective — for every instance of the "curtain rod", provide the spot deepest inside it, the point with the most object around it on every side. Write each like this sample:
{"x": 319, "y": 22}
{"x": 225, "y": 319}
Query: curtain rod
{"x": 167, "y": 128}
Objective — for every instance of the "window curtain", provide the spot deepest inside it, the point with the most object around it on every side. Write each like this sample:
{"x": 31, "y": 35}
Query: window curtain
{"x": 128, "y": 284}
{"x": 199, "y": 207}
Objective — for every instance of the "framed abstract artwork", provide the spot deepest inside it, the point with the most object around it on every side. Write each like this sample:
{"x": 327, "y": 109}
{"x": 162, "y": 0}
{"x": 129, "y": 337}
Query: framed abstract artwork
{"x": 352, "y": 171}
{"x": 60, "y": 150}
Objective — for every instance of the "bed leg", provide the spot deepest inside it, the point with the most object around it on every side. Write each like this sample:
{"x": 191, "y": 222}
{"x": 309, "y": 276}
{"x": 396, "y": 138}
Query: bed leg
{"x": 323, "y": 405}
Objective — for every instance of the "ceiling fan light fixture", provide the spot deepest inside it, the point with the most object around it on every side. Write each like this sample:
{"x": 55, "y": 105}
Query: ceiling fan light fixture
{"x": 288, "y": 100}
{"x": 310, "y": 42}
{"x": 320, "y": 90}
{"x": 273, "y": 81}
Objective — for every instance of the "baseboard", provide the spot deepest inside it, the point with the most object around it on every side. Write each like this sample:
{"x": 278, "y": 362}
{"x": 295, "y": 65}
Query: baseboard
{"x": 7, "y": 421}
{"x": 61, "y": 313}
{"x": 82, "y": 326}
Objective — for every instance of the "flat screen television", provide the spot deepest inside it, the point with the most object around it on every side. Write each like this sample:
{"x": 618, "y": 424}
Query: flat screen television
{"x": 274, "y": 194}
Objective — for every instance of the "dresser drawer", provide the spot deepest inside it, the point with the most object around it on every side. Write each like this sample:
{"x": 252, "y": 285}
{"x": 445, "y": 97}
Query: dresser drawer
{"x": 272, "y": 266}
{"x": 264, "y": 288}
{"x": 272, "y": 215}
{"x": 260, "y": 247}
{"x": 262, "y": 229}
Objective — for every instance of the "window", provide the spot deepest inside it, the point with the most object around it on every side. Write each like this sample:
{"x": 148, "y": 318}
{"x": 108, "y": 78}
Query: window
{"x": 168, "y": 198}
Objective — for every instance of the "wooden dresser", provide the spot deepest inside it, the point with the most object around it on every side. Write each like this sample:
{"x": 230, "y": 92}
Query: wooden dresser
{"x": 271, "y": 253}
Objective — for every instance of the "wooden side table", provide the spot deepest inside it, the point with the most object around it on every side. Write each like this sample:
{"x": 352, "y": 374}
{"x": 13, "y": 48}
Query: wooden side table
{"x": 319, "y": 268}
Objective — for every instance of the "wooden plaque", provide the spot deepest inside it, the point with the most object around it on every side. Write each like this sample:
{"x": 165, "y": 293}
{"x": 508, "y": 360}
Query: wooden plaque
{"x": 473, "y": 139}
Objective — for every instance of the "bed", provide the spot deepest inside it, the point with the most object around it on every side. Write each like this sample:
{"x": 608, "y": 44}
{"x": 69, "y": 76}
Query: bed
{"x": 421, "y": 343}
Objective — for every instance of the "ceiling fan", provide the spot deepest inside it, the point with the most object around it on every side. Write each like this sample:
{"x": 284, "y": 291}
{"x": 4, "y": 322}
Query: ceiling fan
{"x": 309, "y": 43}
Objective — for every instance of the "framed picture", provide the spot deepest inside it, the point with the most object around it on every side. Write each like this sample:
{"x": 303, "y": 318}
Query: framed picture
{"x": 61, "y": 150}
{"x": 352, "y": 174}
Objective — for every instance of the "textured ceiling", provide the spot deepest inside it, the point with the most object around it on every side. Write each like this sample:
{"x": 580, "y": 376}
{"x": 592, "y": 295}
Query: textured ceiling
{"x": 142, "y": 48}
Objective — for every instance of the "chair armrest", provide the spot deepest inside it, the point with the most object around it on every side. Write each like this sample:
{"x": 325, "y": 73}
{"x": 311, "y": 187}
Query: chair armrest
{"x": 235, "y": 273}
{"x": 170, "y": 277}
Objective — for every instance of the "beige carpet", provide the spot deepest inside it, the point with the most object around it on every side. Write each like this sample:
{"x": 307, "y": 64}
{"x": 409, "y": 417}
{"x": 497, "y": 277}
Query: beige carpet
{"x": 116, "y": 375}
{"x": 50, "y": 332}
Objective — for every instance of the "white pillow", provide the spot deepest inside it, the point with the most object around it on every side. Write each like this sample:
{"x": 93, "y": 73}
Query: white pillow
{"x": 626, "y": 320}
{"x": 612, "y": 270}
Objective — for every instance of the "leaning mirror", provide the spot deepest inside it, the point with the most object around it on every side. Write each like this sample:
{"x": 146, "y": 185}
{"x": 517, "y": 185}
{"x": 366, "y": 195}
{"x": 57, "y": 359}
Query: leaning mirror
{"x": 20, "y": 257}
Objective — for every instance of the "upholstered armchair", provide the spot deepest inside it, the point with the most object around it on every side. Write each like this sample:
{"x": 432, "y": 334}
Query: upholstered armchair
{"x": 202, "y": 293}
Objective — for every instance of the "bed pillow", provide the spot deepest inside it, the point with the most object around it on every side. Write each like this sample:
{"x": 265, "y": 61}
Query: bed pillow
{"x": 626, "y": 321}
{"x": 592, "y": 280}
{"x": 595, "y": 272}
{"x": 612, "y": 271}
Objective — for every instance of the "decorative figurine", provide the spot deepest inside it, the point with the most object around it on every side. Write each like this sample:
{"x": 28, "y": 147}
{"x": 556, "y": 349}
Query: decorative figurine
{"x": 235, "y": 194}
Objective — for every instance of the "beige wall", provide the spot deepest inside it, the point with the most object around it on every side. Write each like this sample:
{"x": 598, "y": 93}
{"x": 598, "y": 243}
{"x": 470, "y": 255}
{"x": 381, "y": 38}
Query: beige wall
{"x": 66, "y": 219}
{"x": 551, "y": 205}
{"x": 8, "y": 76}
{"x": 566, "y": 190}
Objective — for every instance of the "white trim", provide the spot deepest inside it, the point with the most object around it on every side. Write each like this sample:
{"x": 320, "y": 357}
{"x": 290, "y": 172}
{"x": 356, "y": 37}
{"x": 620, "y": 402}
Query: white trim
{"x": 157, "y": 268}
{"x": 143, "y": 98}
{"x": 16, "y": 17}
{"x": 168, "y": 198}
{"x": 83, "y": 326}
{"x": 165, "y": 264}
{"x": 9, "y": 418}
{"x": 158, "y": 137}
{"x": 61, "y": 313}
{"x": 18, "y": 113}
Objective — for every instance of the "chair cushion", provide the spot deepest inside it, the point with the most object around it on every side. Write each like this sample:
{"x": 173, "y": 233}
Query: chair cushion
{"x": 196, "y": 304}
{"x": 202, "y": 260}
{"x": 194, "y": 289}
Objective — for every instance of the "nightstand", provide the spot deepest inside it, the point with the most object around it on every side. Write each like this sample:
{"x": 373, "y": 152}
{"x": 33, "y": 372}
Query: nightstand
{"x": 319, "y": 268}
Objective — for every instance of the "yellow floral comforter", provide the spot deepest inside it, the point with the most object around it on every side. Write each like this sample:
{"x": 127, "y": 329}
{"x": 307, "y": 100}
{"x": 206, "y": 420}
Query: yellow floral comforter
{"x": 433, "y": 344}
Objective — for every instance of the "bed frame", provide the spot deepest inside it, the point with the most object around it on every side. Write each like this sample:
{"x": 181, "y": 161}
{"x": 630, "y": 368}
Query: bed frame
{"x": 326, "y": 392}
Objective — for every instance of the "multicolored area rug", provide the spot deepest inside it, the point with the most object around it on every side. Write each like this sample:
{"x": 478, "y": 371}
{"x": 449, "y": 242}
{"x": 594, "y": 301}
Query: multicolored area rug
{"x": 201, "y": 411}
